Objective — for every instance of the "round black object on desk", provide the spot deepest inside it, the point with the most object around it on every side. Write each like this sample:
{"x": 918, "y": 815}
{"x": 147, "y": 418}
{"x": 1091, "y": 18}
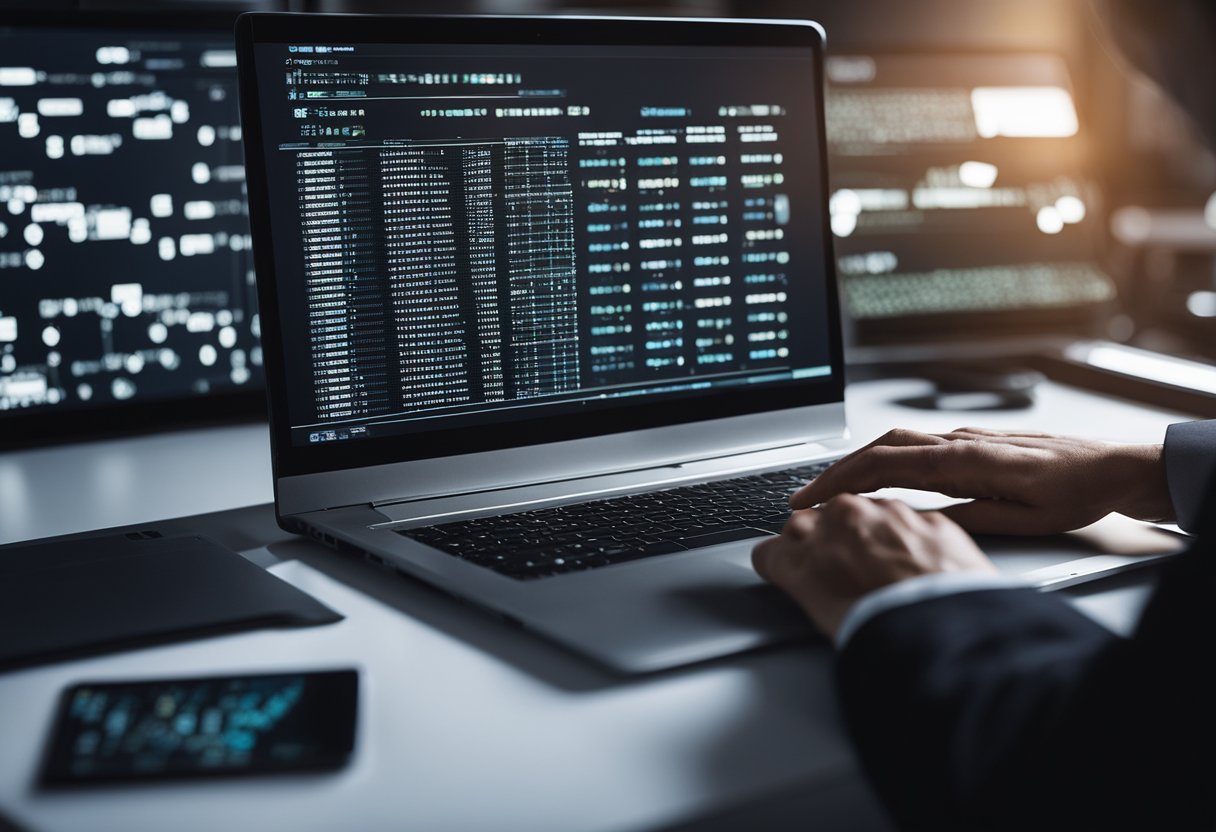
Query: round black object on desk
{"x": 975, "y": 389}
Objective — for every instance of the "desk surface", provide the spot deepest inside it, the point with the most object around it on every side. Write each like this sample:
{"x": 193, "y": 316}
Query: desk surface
{"x": 466, "y": 724}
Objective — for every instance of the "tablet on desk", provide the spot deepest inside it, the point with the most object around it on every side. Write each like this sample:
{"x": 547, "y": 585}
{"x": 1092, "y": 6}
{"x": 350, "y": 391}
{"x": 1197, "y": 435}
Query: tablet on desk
{"x": 111, "y": 732}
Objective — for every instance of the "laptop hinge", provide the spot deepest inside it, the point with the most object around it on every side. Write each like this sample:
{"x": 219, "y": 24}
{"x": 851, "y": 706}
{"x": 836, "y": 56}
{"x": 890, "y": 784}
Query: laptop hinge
{"x": 582, "y": 477}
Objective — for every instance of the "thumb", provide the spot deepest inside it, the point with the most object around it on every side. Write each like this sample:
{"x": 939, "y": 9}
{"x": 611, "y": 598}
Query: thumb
{"x": 778, "y": 558}
{"x": 770, "y": 561}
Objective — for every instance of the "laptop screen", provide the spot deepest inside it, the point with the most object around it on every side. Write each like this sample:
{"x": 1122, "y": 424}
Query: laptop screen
{"x": 468, "y": 236}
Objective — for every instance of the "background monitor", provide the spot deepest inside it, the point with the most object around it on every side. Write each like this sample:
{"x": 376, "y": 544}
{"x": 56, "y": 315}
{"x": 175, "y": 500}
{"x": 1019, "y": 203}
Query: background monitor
{"x": 960, "y": 200}
{"x": 128, "y": 292}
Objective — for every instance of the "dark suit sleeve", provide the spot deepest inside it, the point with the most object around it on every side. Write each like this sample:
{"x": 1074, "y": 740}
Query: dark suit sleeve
{"x": 1008, "y": 709}
{"x": 1190, "y": 464}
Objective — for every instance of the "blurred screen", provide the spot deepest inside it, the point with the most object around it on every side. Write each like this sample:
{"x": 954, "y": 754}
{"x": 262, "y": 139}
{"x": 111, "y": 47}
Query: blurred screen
{"x": 123, "y": 229}
{"x": 958, "y": 190}
{"x": 176, "y": 728}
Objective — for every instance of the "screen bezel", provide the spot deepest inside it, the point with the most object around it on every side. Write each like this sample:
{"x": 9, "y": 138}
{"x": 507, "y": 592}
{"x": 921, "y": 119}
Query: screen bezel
{"x": 269, "y": 28}
{"x": 46, "y": 425}
{"x": 343, "y": 683}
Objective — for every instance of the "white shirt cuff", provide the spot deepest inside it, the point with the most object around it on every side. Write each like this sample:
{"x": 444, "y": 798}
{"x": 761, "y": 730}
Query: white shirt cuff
{"x": 914, "y": 590}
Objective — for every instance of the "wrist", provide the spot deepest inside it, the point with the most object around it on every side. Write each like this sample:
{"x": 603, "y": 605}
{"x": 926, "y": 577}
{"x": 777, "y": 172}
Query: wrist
{"x": 1144, "y": 491}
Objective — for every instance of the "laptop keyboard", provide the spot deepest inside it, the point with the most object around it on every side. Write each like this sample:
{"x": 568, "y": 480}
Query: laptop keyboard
{"x": 573, "y": 538}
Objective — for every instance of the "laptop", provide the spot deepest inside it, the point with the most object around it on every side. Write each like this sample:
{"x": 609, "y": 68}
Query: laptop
{"x": 549, "y": 310}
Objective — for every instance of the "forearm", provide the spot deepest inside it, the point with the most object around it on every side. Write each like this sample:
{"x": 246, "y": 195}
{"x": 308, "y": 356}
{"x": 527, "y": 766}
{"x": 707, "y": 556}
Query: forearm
{"x": 1144, "y": 491}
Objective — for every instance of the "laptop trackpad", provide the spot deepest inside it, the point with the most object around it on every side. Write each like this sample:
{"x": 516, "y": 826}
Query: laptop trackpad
{"x": 725, "y": 590}
{"x": 677, "y": 612}
{"x": 739, "y": 597}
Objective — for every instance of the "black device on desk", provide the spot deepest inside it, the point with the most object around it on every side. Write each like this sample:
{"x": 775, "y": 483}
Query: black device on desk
{"x": 124, "y": 239}
{"x": 87, "y": 594}
{"x": 202, "y": 727}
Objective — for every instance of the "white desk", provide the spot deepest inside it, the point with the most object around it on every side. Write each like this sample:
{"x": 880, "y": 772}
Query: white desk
{"x": 464, "y": 723}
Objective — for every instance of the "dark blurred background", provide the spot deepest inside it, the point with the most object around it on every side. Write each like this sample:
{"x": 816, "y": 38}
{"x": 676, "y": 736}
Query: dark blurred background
{"x": 1154, "y": 175}
{"x": 1104, "y": 230}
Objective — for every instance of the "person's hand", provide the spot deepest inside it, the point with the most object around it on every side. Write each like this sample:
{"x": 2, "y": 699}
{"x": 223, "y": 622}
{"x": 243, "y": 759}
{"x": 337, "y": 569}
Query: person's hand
{"x": 1019, "y": 483}
{"x": 827, "y": 558}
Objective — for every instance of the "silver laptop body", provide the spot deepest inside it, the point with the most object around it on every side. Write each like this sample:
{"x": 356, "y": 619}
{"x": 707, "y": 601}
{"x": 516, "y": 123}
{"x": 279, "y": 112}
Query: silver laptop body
{"x": 356, "y": 481}
{"x": 511, "y": 264}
